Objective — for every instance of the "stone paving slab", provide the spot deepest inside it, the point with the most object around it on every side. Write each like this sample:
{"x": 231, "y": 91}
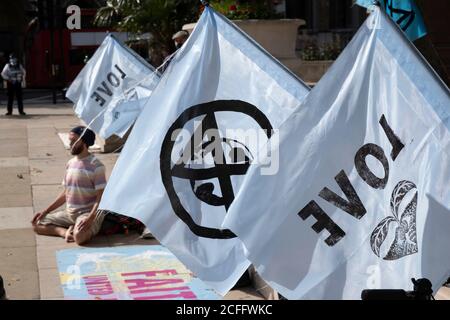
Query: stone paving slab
{"x": 55, "y": 242}
{"x": 42, "y": 142}
{"x": 65, "y": 123}
{"x": 66, "y": 126}
{"x": 132, "y": 238}
{"x": 13, "y": 132}
{"x": 15, "y": 188}
{"x": 23, "y": 285}
{"x": 14, "y": 200}
{"x": 50, "y": 284}
{"x": 45, "y": 120}
{"x": 14, "y": 162}
{"x": 49, "y": 162}
{"x": 41, "y": 132}
{"x": 14, "y": 119}
{"x": 46, "y": 255}
{"x": 61, "y": 123}
{"x": 20, "y": 273}
{"x": 52, "y": 151}
{"x": 6, "y": 123}
{"x": 14, "y": 148}
{"x": 15, "y": 238}
{"x": 47, "y": 171}
{"x": 15, "y": 218}
{"x": 15, "y": 175}
{"x": 44, "y": 195}
{"x": 9, "y": 175}
{"x": 43, "y": 137}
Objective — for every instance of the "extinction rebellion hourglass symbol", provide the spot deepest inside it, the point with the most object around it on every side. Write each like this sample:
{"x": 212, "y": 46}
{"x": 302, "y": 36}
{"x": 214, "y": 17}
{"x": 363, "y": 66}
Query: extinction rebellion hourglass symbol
{"x": 221, "y": 170}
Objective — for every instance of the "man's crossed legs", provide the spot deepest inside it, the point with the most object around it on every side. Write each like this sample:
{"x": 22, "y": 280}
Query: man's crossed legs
{"x": 69, "y": 226}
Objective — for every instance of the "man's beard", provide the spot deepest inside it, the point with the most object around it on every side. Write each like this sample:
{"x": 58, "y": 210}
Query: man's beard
{"x": 76, "y": 150}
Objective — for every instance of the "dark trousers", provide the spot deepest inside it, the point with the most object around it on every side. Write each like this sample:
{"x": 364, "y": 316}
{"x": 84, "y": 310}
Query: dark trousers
{"x": 14, "y": 89}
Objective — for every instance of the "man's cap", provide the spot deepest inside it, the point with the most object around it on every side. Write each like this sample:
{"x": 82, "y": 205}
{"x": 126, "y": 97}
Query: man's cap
{"x": 88, "y": 136}
{"x": 179, "y": 34}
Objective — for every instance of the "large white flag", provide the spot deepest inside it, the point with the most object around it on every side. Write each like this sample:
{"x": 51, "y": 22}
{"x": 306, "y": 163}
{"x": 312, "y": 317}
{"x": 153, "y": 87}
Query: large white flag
{"x": 362, "y": 196}
{"x": 114, "y": 75}
{"x": 183, "y": 163}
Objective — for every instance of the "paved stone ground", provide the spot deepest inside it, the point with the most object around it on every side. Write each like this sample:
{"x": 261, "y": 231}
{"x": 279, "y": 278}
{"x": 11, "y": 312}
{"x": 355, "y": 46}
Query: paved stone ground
{"x": 32, "y": 162}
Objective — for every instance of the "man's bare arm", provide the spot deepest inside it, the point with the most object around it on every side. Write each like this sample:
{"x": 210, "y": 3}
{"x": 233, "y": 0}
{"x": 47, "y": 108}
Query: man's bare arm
{"x": 97, "y": 203}
{"x": 85, "y": 224}
{"x": 59, "y": 201}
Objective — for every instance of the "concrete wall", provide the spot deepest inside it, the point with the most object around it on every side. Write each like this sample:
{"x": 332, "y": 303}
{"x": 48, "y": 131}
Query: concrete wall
{"x": 278, "y": 37}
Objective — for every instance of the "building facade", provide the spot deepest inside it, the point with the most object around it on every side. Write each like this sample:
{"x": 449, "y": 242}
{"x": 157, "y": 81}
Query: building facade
{"x": 53, "y": 55}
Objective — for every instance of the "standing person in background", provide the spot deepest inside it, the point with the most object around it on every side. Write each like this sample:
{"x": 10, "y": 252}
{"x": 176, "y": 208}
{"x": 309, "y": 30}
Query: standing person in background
{"x": 179, "y": 38}
{"x": 14, "y": 74}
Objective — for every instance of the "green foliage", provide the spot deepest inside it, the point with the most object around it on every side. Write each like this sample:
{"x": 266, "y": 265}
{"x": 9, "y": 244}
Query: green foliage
{"x": 329, "y": 51}
{"x": 160, "y": 18}
{"x": 241, "y": 10}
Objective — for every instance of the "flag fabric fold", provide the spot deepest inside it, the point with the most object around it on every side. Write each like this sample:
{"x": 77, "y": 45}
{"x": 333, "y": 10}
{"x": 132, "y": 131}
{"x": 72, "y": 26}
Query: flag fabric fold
{"x": 362, "y": 196}
{"x": 188, "y": 150}
{"x": 114, "y": 75}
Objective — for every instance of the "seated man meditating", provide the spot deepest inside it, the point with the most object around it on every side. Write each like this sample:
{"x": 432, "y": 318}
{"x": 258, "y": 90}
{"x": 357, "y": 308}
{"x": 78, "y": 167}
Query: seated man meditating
{"x": 83, "y": 183}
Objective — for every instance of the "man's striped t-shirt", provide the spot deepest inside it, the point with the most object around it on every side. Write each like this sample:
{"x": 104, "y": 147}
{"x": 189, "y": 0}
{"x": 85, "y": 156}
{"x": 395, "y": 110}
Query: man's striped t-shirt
{"x": 84, "y": 177}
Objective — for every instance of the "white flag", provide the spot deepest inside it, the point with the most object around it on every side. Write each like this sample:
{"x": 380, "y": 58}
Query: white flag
{"x": 128, "y": 111}
{"x": 362, "y": 196}
{"x": 115, "y": 74}
{"x": 219, "y": 80}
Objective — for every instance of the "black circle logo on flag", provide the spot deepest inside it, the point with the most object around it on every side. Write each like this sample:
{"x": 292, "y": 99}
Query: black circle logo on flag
{"x": 222, "y": 171}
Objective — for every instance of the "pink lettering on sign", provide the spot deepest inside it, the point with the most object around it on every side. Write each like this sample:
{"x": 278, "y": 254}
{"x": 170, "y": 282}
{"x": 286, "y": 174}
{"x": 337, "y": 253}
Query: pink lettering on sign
{"x": 136, "y": 284}
{"x": 98, "y": 285}
{"x": 143, "y": 287}
{"x": 141, "y": 291}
